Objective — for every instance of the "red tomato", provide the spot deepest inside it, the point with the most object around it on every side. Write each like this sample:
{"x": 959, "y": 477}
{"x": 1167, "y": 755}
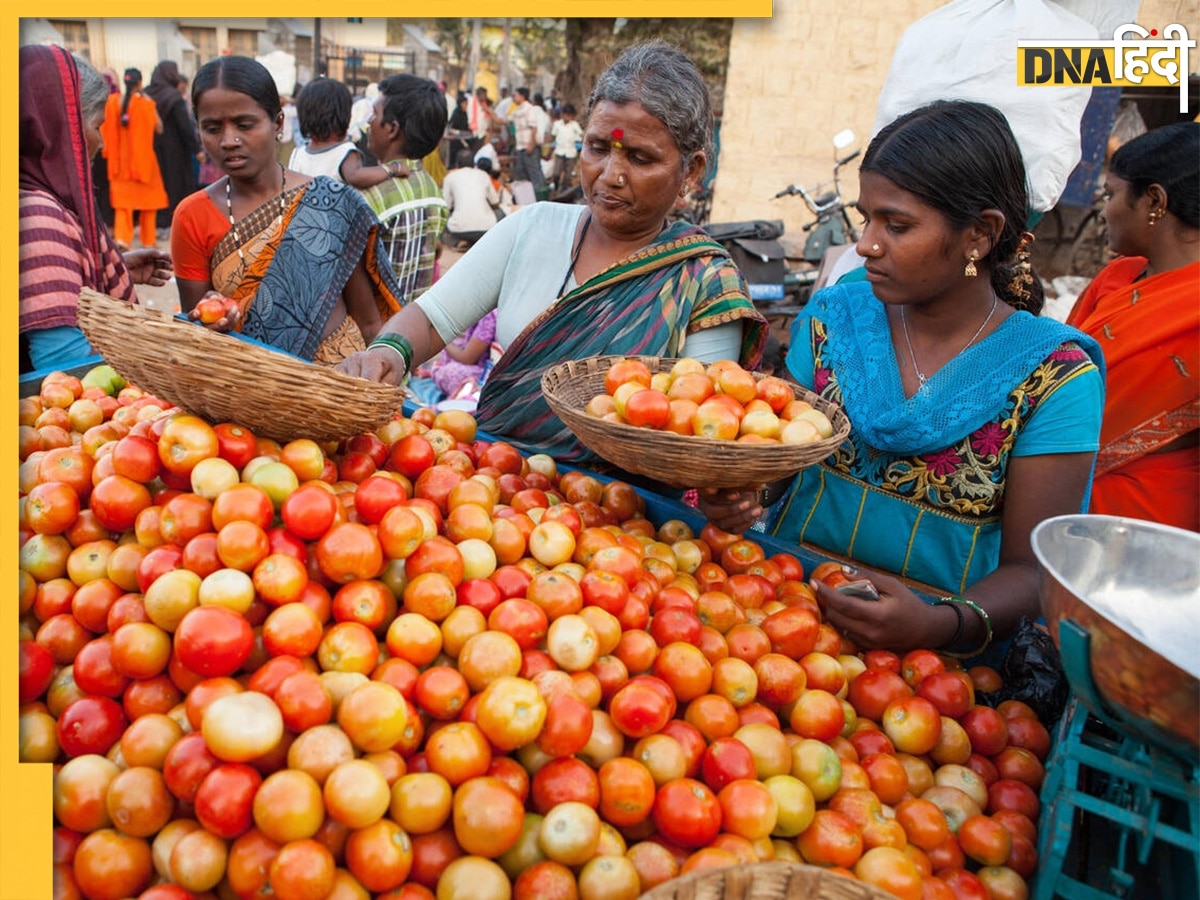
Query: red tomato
{"x": 951, "y": 692}
{"x": 309, "y": 511}
{"x": 36, "y": 667}
{"x": 726, "y": 760}
{"x": 90, "y": 725}
{"x": 184, "y": 441}
{"x": 235, "y": 444}
{"x": 686, "y": 812}
{"x": 874, "y": 689}
{"x": 374, "y": 496}
{"x": 642, "y": 706}
{"x": 986, "y": 728}
{"x": 224, "y": 800}
{"x": 213, "y": 640}
{"x": 913, "y": 723}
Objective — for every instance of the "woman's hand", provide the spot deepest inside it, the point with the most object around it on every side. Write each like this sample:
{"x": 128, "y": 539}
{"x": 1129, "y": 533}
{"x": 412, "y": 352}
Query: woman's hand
{"x": 379, "y": 364}
{"x": 898, "y": 620}
{"x": 148, "y": 265}
{"x": 216, "y": 312}
{"x": 733, "y": 511}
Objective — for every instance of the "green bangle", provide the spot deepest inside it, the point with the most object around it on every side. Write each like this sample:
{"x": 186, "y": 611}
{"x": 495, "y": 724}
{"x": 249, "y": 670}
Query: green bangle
{"x": 396, "y": 342}
{"x": 956, "y": 603}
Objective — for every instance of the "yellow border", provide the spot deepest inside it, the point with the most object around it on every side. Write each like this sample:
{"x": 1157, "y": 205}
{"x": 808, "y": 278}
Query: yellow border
{"x": 25, "y": 811}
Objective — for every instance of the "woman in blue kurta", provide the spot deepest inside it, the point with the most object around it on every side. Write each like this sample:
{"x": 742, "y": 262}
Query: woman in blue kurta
{"x": 973, "y": 417}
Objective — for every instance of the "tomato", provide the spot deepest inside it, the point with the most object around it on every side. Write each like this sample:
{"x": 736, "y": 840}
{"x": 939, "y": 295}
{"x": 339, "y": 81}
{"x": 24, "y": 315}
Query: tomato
{"x": 458, "y": 751}
{"x": 951, "y": 692}
{"x": 1030, "y": 734}
{"x": 224, "y": 799}
{"x": 686, "y": 812}
{"x": 309, "y": 511}
{"x": 90, "y": 725}
{"x": 36, "y": 669}
{"x": 1010, "y": 794}
{"x": 872, "y": 691}
{"x": 109, "y": 865}
{"x": 627, "y": 791}
{"x": 184, "y": 441}
{"x": 213, "y": 640}
{"x": 486, "y": 816}
{"x": 832, "y": 839}
{"x": 563, "y": 779}
{"x": 892, "y": 870}
{"x": 748, "y": 808}
{"x": 301, "y": 870}
{"x": 567, "y": 727}
{"x": 642, "y": 706}
{"x": 913, "y": 724}
{"x": 917, "y": 665}
{"x": 347, "y": 551}
{"x": 986, "y": 728}
{"x": 817, "y": 714}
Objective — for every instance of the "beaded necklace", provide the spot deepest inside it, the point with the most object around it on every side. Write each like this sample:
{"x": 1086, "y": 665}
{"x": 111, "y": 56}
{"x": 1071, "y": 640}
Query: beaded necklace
{"x": 229, "y": 207}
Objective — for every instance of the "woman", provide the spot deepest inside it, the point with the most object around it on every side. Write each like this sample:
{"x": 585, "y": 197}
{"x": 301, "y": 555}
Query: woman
{"x": 1144, "y": 310}
{"x": 300, "y": 256}
{"x": 177, "y": 146}
{"x": 973, "y": 418}
{"x": 131, "y": 124}
{"x": 458, "y": 129}
{"x": 610, "y": 276}
{"x": 64, "y": 245}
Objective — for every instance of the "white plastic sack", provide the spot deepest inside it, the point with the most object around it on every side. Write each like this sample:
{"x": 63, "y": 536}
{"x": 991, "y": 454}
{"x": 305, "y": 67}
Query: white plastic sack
{"x": 967, "y": 50}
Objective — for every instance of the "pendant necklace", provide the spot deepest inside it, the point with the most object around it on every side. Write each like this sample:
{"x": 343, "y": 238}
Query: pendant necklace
{"x": 907, "y": 340}
{"x": 282, "y": 209}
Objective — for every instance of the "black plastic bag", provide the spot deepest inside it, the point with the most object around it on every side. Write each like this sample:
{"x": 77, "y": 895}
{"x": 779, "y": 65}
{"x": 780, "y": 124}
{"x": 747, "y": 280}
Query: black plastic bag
{"x": 1033, "y": 672}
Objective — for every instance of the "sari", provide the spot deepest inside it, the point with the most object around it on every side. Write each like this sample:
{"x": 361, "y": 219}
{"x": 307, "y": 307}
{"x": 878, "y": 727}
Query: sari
{"x": 644, "y": 305}
{"x": 290, "y": 267}
{"x": 1149, "y": 329}
{"x": 918, "y": 487}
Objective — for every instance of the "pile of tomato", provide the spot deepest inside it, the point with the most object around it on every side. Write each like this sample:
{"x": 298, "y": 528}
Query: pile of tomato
{"x": 419, "y": 664}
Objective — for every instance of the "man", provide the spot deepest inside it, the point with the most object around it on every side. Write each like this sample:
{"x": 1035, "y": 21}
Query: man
{"x": 472, "y": 200}
{"x": 527, "y": 161}
{"x": 407, "y": 122}
{"x": 360, "y": 116}
{"x": 479, "y": 113}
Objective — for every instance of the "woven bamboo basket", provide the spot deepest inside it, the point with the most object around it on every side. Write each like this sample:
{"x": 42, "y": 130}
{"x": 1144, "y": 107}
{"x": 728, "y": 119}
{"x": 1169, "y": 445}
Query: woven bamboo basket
{"x": 225, "y": 379}
{"x": 675, "y": 459}
{"x": 765, "y": 881}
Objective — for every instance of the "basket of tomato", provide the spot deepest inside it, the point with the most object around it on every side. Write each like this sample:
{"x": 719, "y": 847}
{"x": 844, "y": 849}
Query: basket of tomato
{"x": 688, "y": 424}
{"x": 227, "y": 378}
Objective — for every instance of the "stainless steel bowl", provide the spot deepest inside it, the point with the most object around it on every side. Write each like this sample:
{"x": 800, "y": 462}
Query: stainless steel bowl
{"x": 1134, "y": 587}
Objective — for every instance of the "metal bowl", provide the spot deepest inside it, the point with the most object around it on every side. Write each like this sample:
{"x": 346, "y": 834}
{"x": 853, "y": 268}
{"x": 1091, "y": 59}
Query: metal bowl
{"x": 1133, "y": 587}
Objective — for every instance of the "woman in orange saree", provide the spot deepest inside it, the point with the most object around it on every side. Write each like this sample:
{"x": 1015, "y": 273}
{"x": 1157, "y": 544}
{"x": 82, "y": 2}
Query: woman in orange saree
{"x": 1144, "y": 310}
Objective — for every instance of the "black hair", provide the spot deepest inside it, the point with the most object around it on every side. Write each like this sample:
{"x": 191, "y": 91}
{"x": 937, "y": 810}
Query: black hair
{"x": 1166, "y": 156}
{"x": 242, "y": 74}
{"x": 323, "y": 109}
{"x": 464, "y": 159}
{"x": 133, "y": 80}
{"x": 568, "y": 109}
{"x": 524, "y": 92}
{"x": 961, "y": 158}
{"x": 419, "y": 107}
{"x": 484, "y": 163}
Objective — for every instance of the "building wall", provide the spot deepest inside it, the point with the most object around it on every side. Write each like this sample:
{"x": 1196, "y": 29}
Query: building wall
{"x": 810, "y": 71}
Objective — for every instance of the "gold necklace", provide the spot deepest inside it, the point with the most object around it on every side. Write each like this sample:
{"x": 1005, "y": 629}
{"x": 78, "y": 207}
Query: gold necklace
{"x": 907, "y": 340}
{"x": 229, "y": 207}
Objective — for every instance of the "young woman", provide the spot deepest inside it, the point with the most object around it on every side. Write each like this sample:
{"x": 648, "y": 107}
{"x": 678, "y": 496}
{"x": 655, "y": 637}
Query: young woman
{"x": 135, "y": 182}
{"x": 1144, "y": 310}
{"x": 300, "y": 256}
{"x": 973, "y": 417}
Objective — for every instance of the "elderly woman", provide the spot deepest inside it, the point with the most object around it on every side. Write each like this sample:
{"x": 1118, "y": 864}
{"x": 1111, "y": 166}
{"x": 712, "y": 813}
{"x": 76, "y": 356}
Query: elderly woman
{"x": 608, "y": 277}
{"x": 64, "y": 246}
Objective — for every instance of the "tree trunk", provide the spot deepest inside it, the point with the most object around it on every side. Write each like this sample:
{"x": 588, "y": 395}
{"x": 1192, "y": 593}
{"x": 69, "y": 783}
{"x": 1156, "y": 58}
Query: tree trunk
{"x": 589, "y": 52}
{"x": 473, "y": 60}
{"x": 506, "y": 56}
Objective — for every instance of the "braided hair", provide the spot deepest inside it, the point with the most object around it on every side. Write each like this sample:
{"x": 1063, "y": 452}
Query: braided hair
{"x": 133, "y": 80}
{"x": 961, "y": 158}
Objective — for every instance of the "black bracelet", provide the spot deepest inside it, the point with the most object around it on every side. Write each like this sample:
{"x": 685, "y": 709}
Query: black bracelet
{"x": 962, "y": 622}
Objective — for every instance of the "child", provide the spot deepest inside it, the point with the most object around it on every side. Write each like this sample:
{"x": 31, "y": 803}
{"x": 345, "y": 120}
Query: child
{"x": 323, "y": 111}
{"x": 568, "y": 136}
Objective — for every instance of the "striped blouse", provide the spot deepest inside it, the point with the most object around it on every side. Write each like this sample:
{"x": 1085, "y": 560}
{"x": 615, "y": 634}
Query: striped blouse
{"x": 56, "y": 262}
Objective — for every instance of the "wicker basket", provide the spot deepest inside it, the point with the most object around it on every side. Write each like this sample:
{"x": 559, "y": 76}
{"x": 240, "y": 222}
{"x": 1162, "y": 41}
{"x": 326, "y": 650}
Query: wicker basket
{"x": 765, "y": 881}
{"x": 223, "y": 378}
{"x": 675, "y": 459}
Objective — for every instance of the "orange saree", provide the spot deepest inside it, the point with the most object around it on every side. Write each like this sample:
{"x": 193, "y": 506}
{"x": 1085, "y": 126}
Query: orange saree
{"x": 1149, "y": 330}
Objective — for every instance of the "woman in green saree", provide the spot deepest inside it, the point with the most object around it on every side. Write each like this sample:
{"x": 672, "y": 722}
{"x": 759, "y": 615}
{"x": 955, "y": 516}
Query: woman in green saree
{"x": 609, "y": 277}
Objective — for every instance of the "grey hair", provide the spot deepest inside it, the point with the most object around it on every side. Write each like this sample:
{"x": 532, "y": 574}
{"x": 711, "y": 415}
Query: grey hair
{"x": 669, "y": 86}
{"x": 93, "y": 89}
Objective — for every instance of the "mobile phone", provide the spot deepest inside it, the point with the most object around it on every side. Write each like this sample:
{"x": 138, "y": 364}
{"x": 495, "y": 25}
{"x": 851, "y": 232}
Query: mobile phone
{"x": 862, "y": 589}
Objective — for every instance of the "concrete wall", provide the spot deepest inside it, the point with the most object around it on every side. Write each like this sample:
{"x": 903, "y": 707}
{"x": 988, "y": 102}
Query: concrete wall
{"x": 810, "y": 71}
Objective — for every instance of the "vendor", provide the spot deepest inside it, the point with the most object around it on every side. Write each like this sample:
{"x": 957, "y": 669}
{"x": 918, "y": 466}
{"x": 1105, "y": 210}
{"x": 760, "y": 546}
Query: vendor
{"x": 608, "y": 277}
{"x": 64, "y": 245}
{"x": 973, "y": 418}
{"x": 252, "y": 236}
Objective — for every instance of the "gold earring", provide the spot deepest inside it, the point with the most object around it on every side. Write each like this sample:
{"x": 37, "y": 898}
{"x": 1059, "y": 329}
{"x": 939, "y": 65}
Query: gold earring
{"x": 970, "y": 271}
{"x": 1156, "y": 214}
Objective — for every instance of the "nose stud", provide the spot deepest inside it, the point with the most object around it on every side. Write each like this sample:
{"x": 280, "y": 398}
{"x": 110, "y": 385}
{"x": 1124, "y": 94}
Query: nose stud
{"x": 621, "y": 181}
{"x": 874, "y": 248}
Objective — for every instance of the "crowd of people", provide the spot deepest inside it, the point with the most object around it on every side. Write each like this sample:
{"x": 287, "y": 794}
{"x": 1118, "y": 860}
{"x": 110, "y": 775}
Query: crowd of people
{"x": 973, "y": 417}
